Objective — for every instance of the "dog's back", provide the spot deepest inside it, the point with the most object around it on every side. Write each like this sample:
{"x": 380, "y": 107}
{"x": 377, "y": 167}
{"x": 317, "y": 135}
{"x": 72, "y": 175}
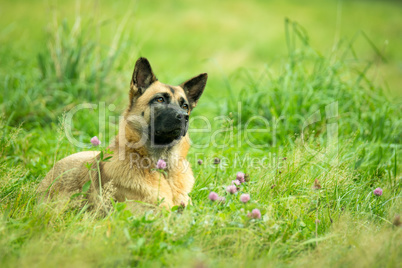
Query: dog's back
{"x": 66, "y": 175}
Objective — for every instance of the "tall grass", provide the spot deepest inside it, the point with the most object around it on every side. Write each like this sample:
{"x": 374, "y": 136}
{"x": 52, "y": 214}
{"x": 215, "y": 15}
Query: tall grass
{"x": 310, "y": 83}
{"x": 73, "y": 67}
{"x": 74, "y": 58}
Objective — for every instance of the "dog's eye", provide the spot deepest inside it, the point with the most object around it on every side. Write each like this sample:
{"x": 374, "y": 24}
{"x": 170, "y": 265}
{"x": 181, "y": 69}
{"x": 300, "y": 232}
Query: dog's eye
{"x": 184, "y": 106}
{"x": 160, "y": 99}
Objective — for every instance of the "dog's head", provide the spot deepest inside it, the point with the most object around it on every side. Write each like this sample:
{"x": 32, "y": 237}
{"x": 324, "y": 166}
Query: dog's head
{"x": 159, "y": 111}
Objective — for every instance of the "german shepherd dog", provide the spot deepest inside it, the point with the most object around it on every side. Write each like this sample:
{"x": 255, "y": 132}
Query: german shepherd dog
{"x": 154, "y": 127}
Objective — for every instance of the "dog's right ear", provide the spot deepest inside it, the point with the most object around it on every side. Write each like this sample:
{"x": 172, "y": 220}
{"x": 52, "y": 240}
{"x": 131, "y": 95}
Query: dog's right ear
{"x": 142, "y": 78}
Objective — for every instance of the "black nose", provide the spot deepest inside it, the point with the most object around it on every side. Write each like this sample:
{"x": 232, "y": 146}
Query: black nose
{"x": 182, "y": 116}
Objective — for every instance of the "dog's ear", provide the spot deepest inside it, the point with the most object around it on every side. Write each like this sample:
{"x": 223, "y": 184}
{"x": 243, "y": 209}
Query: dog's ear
{"x": 194, "y": 88}
{"x": 142, "y": 78}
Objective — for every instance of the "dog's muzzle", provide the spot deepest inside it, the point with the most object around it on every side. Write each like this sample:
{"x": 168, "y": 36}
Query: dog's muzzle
{"x": 168, "y": 125}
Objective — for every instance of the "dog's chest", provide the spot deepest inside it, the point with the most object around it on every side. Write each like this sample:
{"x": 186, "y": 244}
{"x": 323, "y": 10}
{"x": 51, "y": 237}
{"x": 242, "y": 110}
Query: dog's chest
{"x": 136, "y": 183}
{"x": 133, "y": 181}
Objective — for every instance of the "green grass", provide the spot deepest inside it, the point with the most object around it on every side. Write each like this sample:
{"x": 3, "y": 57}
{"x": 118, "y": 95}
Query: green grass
{"x": 283, "y": 71}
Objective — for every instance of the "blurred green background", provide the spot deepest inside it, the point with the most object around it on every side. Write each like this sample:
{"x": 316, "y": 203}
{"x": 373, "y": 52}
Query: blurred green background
{"x": 277, "y": 58}
{"x": 183, "y": 38}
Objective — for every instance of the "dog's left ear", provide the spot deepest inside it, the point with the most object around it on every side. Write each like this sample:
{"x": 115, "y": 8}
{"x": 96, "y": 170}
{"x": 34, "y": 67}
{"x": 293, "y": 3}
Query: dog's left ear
{"x": 194, "y": 88}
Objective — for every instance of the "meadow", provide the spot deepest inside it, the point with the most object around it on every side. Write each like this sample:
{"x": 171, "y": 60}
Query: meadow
{"x": 303, "y": 97}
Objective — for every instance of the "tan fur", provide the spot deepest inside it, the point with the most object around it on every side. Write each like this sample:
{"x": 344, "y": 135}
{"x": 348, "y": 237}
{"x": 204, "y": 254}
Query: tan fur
{"x": 64, "y": 177}
{"x": 121, "y": 173}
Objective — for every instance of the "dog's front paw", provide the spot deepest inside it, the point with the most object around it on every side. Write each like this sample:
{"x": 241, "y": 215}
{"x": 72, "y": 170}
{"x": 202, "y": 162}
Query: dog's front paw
{"x": 184, "y": 201}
